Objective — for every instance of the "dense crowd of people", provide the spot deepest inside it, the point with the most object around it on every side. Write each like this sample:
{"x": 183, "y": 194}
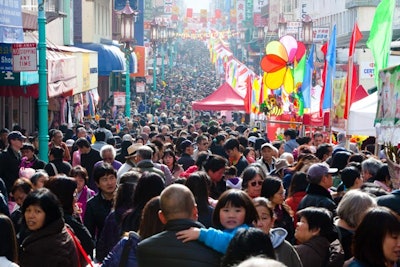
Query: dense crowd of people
{"x": 171, "y": 187}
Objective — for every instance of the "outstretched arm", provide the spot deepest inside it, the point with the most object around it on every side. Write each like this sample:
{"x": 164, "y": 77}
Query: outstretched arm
{"x": 188, "y": 235}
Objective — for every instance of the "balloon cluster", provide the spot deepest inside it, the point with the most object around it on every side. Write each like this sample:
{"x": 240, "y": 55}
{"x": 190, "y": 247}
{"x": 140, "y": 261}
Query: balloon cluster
{"x": 279, "y": 60}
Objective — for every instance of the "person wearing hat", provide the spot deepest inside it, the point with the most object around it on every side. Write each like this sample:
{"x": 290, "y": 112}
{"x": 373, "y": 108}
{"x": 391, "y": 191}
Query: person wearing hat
{"x": 129, "y": 160}
{"x": 29, "y": 159}
{"x": 280, "y": 167}
{"x": 319, "y": 175}
{"x": 10, "y": 159}
{"x": 186, "y": 159}
{"x": 267, "y": 160}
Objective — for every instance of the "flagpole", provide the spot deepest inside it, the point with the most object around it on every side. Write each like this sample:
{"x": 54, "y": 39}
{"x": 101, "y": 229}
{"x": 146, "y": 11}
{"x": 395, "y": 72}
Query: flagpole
{"x": 349, "y": 88}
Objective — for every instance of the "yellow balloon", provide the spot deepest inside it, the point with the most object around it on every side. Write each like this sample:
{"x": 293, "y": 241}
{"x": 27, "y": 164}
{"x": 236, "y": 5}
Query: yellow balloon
{"x": 278, "y": 49}
{"x": 288, "y": 83}
{"x": 274, "y": 80}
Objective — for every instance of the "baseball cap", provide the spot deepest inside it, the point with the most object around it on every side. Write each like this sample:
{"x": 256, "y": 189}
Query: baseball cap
{"x": 280, "y": 164}
{"x": 16, "y": 135}
{"x": 185, "y": 144}
{"x": 70, "y": 142}
{"x": 320, "y": 169}
{"x": 269, "y": 145}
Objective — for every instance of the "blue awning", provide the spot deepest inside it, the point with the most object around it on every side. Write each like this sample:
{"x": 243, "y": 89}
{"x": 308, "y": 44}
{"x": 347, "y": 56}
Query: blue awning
{"x": 110, "y": 58}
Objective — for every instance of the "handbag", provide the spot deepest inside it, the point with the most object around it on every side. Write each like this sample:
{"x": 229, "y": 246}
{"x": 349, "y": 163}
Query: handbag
{"x": 80, "y": 251}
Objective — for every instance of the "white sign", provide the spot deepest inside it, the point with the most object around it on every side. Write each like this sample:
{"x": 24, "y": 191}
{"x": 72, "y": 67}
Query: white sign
{"x": 292, "y": 27}
{"x": 24, "y": 57}
{"x": 367, "y": 70}
{"x": 140, "y": 87}
{"x": 119, "y": 98}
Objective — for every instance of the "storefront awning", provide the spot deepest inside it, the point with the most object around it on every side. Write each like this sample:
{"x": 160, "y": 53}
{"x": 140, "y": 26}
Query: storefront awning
{"x": 61, "y": 74}
{"x": 110, "y": 58}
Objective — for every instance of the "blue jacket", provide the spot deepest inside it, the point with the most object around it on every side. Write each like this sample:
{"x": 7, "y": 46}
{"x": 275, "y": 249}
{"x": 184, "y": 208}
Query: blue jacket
{"x": 218, "y": 239}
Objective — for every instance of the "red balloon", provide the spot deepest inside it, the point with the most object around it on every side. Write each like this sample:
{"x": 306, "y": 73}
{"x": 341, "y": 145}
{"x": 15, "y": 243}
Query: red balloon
{"x": 301, "y": 50}
{"x": 271, "y": 63}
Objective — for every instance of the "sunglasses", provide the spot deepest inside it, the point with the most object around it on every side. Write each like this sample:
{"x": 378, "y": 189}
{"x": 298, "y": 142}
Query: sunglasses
{"x": 256, "y": 183}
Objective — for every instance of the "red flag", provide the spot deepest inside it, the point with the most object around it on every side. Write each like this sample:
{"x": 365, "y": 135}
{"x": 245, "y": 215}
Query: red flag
{"x": 324, "y": 50}
{"x": 248, "y": 97}
{"x": 218, "y": 13}
{"x": 351, "y": 83}
{"x": 189, "y": 12}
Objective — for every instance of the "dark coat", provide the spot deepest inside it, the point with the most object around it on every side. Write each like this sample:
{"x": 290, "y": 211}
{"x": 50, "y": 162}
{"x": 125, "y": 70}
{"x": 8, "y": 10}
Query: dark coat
{"x": 50, "y": 246}
{"x": 318, "y": 196}
{"x": 97, "y": 210}
{"x": 87, "y": 161}
{"x": 164, "y": 249}
{"x": 81, "y": 232}
{"x": 9, "y": 167}
{"x": 314, "y": 253}
{"x": 61, "y": 166}
{"x": 115, "y": 256}
{"x": 186, "y": 161}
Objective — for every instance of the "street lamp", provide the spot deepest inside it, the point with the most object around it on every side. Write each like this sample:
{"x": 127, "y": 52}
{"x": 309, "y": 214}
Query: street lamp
{"x": 128, "y": 17}
{"x": 171, "y": 32}
{"x": 153, "y": 41}
{"x": 282, "y": 24}
{"x": 307, "y": 28}
{"x": 163, "y": 39}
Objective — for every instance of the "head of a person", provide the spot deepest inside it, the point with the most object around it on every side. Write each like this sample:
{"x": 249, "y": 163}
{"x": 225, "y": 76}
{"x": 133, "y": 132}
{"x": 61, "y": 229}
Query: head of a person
{"x": 20, "y": 189}
{"x": 105, "y": 178}
{"x": 376, "y": 241}
{"x": 351, "y": 177}
{"x": 298, "y": 183}
{"x": 324, "y": 151}
{"x": 100, "y": 136}
{"x": 57, "y": 137}
{"x": 202, "y": 143}
{"x": 199, "y": 184}
{"x": 177, "y": 202}
{"x": 318, "y": 139}
{"x": 260, "y": 261}
{"x": 253, "y": 177}
{"x": 234, "y": 208}
{"x": 266, "y": 215}
{"x": 383, "y": 174}
{"x": 290, "y": 134}
{"x": 144, "y": 153}
{"x": 56, "y": 153}
{"x": 150, "y": 223}
{"x": 321, "y": 174}
{"x": 186, "y": 147}
{"x": 288, "y": 157}
{"x": 102, "y": 123}
{"x": 247, "y": 243}
{"x": 214, "y": 166}
{"x": 16, "y": 140}
{"x": 352, "y": 207}
{"x": 108, "y": 153}
{"x": 267, "y": 151}
{"x": 40, "y": 209}
{"x": 81, "y": 176}
{"x": 28, "y": 151}
{"x": 313, "y": 222}
{"x": 83, "y": 145}
{"x": 169, "y": 157}
{"x": 8, "y": 244}
{"x": 149, "y": 185}
{"x": 340, "y": 159}
{"x": 369, "y": 168}
{"x": 64, "y": 188}
{"x": 231, "y": 146}
{"x": 272, "y": 189}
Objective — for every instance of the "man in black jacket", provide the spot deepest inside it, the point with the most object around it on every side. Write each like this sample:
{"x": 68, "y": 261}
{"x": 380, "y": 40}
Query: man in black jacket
{"x": 89, "y": 157}
{"x": 10, "y": 159}
{"x": 178, "y": 212}
{"x": 319, "y": 176}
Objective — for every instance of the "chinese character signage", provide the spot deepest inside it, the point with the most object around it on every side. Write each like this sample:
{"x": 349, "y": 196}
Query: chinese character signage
{"x": 240, "y": 12}
{"x": 11, "y": 22}
{"x": 249, "y": 10}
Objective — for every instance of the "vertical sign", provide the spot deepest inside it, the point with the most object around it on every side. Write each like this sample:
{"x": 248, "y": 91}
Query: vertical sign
{"x": 240, "y": 12}
{"x": 24, "y": 57}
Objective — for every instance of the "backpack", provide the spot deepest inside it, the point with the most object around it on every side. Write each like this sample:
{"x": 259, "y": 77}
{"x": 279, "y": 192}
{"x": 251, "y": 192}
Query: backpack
{"x": 133, "y": 240}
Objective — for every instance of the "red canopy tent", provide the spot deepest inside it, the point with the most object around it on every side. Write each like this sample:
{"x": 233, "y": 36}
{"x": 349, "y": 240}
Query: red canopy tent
{"x": 224, "y": 98}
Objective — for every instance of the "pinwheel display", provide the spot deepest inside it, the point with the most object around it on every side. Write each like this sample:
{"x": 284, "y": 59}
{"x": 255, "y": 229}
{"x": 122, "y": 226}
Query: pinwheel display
{"x": 278, "y": 62}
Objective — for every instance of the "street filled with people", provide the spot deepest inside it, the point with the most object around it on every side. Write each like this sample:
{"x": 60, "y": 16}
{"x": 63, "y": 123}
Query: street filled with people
{"x": 171, "y": 186}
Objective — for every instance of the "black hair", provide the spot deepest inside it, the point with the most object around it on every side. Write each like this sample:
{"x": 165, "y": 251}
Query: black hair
{"x": 319, "y": 218}
{"x": 231, "y": 143}
{"x": 8, "y": 244}
{"x": 47, "y": 201}
{"x": 63, "y": 187}
{"x": 82, "y": 142}
{"x": 235, "y": 198}
{"x": 102, "y": 170}
{"x": 349, "y": 175}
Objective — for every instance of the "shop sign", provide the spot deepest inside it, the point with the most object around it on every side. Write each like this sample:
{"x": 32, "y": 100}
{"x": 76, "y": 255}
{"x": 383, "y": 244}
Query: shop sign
{"x": 24, "y": 57}
{"x": 119, "y": 98}
{"x": 5, "y": 57}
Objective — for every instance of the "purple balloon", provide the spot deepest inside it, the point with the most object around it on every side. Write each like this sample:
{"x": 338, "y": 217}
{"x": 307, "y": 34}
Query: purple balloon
{"x": 290, "y": 45}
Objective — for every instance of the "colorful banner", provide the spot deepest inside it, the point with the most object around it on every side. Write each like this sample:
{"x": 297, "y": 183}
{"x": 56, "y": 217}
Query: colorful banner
{"x": 240, "y": 12}
{"x": 140, "y": 52}
{"x": 189, "y": 12}
{"x": 388, "y": 113}
{"x": 203, "y": 15}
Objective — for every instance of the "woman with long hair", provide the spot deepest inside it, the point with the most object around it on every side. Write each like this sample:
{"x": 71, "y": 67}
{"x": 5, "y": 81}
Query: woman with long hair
{"x": 8, "y": 244}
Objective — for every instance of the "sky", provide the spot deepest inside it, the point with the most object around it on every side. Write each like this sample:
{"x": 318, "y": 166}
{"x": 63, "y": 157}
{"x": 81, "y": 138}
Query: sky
{"x": 197, "y": 4}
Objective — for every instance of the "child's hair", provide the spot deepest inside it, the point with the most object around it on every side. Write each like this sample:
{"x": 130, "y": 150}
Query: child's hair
{"x": 231, "y": 170}
{"x": 235, "y": 198}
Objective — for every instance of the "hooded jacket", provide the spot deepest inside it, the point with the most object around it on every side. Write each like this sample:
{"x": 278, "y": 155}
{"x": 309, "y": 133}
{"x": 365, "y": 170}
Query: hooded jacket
{"x": 284, "y": 251}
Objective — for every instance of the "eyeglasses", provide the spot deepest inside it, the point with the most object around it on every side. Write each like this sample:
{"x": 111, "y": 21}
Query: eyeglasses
{"x": 256, "y": 183}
